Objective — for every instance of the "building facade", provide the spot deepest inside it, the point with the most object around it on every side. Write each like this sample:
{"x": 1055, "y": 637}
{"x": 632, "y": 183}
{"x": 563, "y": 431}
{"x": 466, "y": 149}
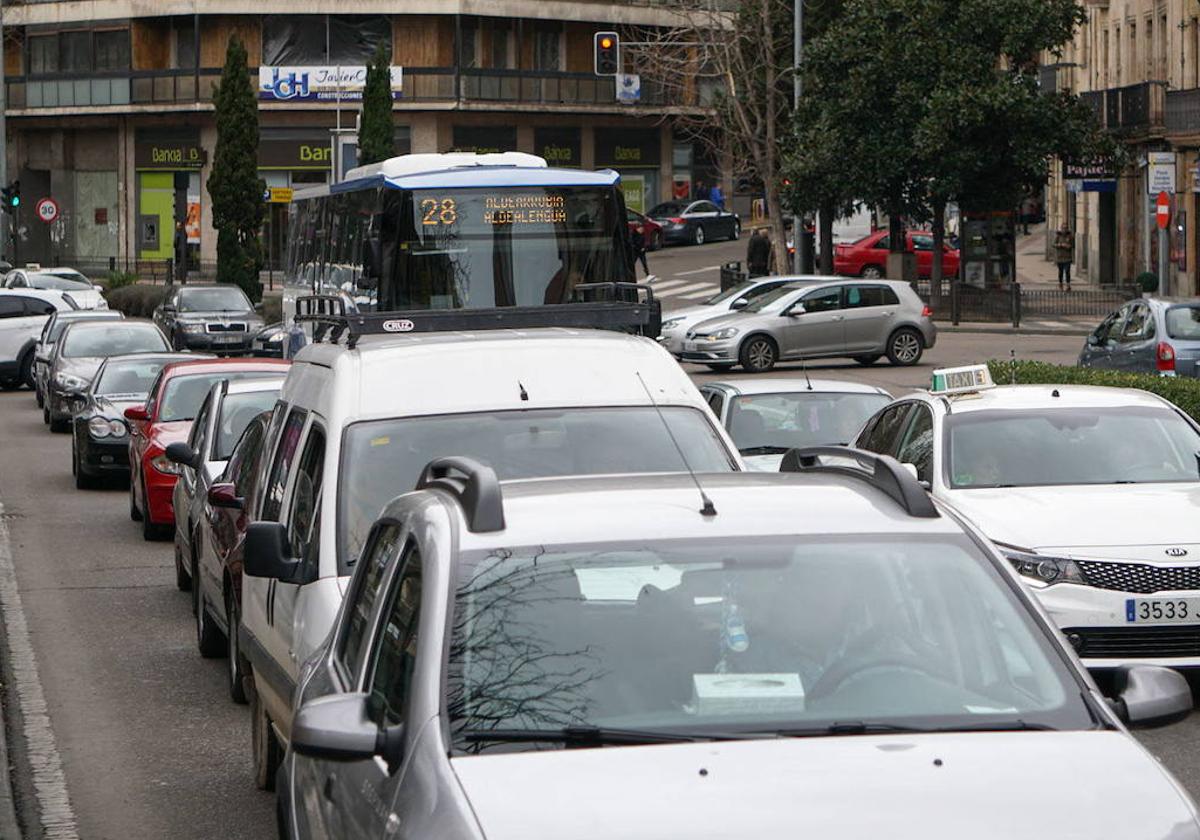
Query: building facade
{"x": 1137, "y": 64}
{"x": 109, "y": 107}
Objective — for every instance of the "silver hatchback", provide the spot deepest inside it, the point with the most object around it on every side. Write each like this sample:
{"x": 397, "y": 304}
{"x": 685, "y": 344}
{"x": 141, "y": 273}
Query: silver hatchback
{"x": 1148, "y": 335}
{"x": 863, "y": 320}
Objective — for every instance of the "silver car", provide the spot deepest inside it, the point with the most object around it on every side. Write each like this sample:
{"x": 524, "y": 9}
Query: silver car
{"x": 1148, "y": 335}
{"x": 55, "y": 324}
{"x": 612, "y": 657}
{"x": 677, "y": 322}
{"x": 834, "y": 317}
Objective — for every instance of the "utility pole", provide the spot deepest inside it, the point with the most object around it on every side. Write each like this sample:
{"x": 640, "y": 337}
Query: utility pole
{"x": 5, "y": 215}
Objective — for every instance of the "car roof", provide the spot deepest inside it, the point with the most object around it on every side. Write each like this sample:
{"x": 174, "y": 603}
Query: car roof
{"x": 1170, "y": 301}
{"x": 141, "y": 357}
{"x": 140, "y": 323}
{"x": 667, "y": 506}
{"x": 211, "y": 365}
{"x": 1018, "y": 397}
{"x": 792, "y": 384}
{"x": 252, "y": 386}
{"x": 85, "y": 314}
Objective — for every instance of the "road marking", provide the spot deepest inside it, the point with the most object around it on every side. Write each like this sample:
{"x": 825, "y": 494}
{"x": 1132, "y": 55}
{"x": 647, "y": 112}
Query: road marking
{"x": 703, "y": 293}
{"x": 667, "y": 285}
{"x": 49, "y": 782}
{"x": 696, "y": 271}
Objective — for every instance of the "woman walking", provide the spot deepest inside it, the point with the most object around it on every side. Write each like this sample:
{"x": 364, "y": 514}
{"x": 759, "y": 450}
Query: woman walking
{"x": 1064, "y": 254}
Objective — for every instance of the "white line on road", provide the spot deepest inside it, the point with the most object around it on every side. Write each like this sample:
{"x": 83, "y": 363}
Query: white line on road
{"x": 666, "y": 285}
{"x": 696, "y": 271}
{"x": 703, "y": 293}
{"x": 49, "y": 783}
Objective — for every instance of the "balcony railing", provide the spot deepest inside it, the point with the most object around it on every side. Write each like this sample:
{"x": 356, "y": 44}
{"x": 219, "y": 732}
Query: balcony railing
{"x": 1133, "y": 108}
{"x": 129, "y": 87}
{"x": 549, "y": 88}
{"x": 1183, "y": 111}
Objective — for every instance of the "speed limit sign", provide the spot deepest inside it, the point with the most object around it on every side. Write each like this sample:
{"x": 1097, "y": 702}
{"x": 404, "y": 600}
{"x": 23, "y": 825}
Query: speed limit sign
{"x": 47, "y": 210}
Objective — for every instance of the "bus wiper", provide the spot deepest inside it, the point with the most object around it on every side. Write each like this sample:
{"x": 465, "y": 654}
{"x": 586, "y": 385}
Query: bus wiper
{"x": 764, "y": 450}
{"x": 596, "y": 735}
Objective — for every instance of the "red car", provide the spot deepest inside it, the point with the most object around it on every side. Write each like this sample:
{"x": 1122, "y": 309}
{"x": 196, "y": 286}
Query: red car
{"x": 651, "y": 229}
{"x": 167, "y": 416}
{"x": 868, "y": 256}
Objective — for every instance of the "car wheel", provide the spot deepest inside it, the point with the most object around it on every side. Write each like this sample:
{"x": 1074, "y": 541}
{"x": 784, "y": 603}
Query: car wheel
{"x": 45, "y": 414}
{"x": 720, "y": 368}
{"x": 867, "y": 361}
{"x": 150, "y": 531}
{"x": 656, "y": 241}
{"x": 135, "y": 513}
{"x": 59, "y": 425}
{"x": 872, "y": 272}
{"x": 698, "y": 235}
{"x": 208, "y": 637}
{"x": 737, "y": 231}
{"x": 264, "y": 748}
{"x": 758, "y": 354}
{"x": 183, "y": 580}
{"x": 41, "y": 401}
{"x": 238, "y": 666}
{"x": 27, "y": 370}
{"x": 904, "y": 348}
{"x": 10, "y": 384}
{"x": 83, "y": 481}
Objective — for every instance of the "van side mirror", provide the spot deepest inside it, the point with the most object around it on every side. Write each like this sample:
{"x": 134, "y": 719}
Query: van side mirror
{"x": 266, "y": 553}
{"x": 224, "y": 495}
{"x": 1149, "y": 696}
{"x": 137, "y": 413}
{"x": 182, "y": 454}
{"x": 338, "y": 728}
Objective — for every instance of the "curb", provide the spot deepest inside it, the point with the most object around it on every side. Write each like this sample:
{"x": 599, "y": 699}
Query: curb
{"x": 1078, "y": 332}
{"x": 9, "y": 826}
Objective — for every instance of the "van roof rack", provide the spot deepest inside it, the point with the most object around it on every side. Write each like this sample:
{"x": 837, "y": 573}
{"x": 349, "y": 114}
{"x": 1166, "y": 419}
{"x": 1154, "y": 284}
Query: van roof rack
{"x": 882, "y": 471}
{"x": 609, "y": 306}
{"x": 473, "y": 484}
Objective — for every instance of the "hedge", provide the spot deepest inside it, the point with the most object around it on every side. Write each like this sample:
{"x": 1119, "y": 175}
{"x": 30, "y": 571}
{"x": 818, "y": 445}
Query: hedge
{"x": 1182, "y": 391}
{"x": 136, "y": 301}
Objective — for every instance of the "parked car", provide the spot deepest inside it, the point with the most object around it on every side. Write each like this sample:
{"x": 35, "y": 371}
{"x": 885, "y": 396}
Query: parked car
{"x": 353, "y": 424}
{"x": 867, "y": 258}
{"x": 1148, "y": 335}
{"x": 215, "y": 319}
{"x": 677, "y": 322}
{"x": 43, "y": 351}
{"x": 100, "y": 435}
{"x": 166, "y": 417}
{"x": 1092, "y": 493}
{"x": 23, "y": 313}
{"x": 78, "y": 354}
{"x": 652, "y": 231}
{"x": 767, "y": 416}
{"x": 835, "y": 317}
{"x": 74, "y": 286}
{"x": 269, "y": 341}
{"x": 225, "y": 414}
{"x": 695, "y": 222}
{"x": 593, "y": 657}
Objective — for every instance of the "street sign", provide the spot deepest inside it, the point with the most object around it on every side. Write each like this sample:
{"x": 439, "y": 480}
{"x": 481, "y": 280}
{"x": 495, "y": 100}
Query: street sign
{"x": 629, "y": 88}
{"x": 47, "y": 210}
{"x": 1162, "y": 210}
{"x": 1160, "y": 176}
{"x": 280, "y": 195}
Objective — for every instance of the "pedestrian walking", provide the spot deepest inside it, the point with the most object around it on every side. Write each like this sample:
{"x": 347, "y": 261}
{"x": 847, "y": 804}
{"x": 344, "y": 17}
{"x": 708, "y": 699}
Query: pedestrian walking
{"x": 758, "y": 253}
{"x": 1028, "y": 211}
{"x": 702, "y": 191}
{"x": 1064, "y": 255}
{"x": 716, "y": 196}
{"x": 639, "y": 246}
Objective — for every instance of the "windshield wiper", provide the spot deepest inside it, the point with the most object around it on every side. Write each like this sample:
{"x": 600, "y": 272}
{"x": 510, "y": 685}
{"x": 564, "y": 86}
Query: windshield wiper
{"x": 764, "y": 450}
{"x": 584, "y": 735}
{"x": 1016, "y": 725}
{"x": 862, "y": 727}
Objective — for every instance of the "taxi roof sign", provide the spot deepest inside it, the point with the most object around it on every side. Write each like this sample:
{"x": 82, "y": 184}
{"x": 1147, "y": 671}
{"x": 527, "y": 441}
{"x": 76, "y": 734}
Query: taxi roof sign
{"x": 961, "y": 380}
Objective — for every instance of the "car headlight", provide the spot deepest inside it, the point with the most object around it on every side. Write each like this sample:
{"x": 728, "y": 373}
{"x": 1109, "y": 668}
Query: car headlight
{"x": 165, "y": 465}
{"x": 671, "y": 323}
{"x": 117, "y": 428}
{"x": 1042, "y": 568}
{"x": 720, "y": 335}
{"x": 99, "y": 428}
{"x": 70, "y": 382}
{"x": 192, "y": 328}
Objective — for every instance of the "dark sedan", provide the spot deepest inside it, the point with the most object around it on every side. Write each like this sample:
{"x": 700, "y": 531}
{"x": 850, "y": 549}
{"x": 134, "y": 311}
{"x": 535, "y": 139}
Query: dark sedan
{"x": 211, "y": 319}
{"x": 695, "y": 222}
{"x": 100, "y": 441}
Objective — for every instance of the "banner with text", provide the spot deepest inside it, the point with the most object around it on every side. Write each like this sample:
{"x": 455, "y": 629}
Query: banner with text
{"x": 319, "y": 83}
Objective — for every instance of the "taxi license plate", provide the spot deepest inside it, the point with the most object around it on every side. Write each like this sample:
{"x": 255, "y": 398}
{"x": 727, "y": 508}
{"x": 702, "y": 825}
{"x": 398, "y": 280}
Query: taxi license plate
{"x": 1162, "y": 610}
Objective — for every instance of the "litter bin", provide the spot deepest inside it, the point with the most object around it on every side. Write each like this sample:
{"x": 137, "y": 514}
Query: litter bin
{"x": 731, "y": 275}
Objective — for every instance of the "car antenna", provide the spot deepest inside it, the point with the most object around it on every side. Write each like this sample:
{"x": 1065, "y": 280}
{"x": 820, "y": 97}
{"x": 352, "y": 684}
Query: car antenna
{"x": 804, "y": 370}
{"x": 706, "y": 508}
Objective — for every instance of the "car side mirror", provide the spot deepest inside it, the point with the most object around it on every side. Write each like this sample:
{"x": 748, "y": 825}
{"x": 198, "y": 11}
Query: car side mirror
{"x": 266, "y": 553}
{"x": 258, "y": 307}
{"x": 740, "y": 303}
{"x": 1149, "y": 696}
{"x": 97, "y": 287}
{"x": 182, "y": 454}
{"x": 223, "y": 495}
{"x": 137, "y": 413}
{"x": 796, "y": 311}
{"x": 1093, "y": 340}
{"x": 337, "y": 728}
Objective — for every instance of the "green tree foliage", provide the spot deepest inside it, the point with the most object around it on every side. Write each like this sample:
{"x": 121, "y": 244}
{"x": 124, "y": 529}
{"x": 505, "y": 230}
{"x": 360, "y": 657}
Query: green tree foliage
{"x": 376, "y": 132}
{"x": 234, "y": 185}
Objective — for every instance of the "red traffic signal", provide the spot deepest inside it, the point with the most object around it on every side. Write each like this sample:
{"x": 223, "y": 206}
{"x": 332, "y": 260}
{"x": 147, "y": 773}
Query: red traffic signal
{"x": 607, "y": 58}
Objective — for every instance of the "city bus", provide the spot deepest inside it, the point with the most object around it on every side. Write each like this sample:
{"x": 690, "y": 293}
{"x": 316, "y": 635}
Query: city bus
{"x": 456, "y": 231}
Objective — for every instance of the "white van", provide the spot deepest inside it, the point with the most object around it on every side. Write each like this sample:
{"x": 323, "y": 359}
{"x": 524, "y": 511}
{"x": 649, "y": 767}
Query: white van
{"x": 357, "y": 422}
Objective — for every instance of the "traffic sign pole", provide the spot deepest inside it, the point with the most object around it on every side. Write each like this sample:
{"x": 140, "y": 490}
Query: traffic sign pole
{"x": 1162, "y": 216}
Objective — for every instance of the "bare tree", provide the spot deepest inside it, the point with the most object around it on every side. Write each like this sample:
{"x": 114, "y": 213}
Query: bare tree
{"x": 726, "y": 66}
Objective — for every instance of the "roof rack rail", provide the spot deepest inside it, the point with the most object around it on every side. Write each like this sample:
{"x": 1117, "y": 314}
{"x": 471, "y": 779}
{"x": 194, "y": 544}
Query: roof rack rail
{"x": 475, "y": 487}
{"x": 883, "y": 472}
{"x": 613, "y": 306}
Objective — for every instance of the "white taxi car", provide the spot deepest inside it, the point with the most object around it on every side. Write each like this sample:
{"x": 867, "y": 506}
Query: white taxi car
{"x": 1093, "y": 494}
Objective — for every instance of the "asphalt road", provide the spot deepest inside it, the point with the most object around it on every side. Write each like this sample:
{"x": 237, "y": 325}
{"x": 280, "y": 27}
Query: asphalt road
{"x": 150, "y": 744}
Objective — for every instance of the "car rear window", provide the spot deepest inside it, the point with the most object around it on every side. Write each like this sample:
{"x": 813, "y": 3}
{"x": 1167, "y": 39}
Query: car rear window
{"x": 183, "y": 395}
{"x": 1183, "y": 322}
{"x": 113, "y": 340}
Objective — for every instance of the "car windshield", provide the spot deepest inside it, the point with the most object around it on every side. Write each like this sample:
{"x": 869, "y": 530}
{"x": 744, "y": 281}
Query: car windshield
{"x": 215, "y": 299}
{"x": 1042, "y": 447}
{"x": 60, "y": 323}
{"x": 804, "y": 418}
{"x": 1183, "y": 322}
{"x": 388, "y": 455}
{"x": 770, "y": 298}
{"x": 667, "y": 208}
{"x": 128, "y": 377}
{"x": 112, "y": 340}
{"x": 237, "y": 411}
{"x": 747, "y": 635}
{"x": 58, "y": 283}
{"x": 184, "y": 394}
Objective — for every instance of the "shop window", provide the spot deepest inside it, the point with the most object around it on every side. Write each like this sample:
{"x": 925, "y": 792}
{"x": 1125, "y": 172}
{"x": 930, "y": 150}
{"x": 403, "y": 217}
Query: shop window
{"x": 75, "y": 52}
{"x": 43, "y": 54}
{"x": 112, "y": 50}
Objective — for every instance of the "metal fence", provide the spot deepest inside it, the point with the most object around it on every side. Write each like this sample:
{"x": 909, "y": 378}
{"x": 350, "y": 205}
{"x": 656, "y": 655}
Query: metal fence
{"x": 1011, "y": 304}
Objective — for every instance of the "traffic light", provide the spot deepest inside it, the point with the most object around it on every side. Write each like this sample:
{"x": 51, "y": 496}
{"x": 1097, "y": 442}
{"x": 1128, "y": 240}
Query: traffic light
{"x": 10, "y": 196}
{"x": 608, "y": 53}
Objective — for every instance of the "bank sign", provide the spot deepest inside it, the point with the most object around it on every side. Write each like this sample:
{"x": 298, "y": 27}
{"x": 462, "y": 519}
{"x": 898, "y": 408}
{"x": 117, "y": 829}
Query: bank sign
{"x": 316, "y": 83}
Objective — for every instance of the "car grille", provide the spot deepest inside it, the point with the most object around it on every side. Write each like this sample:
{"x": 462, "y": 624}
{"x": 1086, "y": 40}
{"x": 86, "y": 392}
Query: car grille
{"x": 216, "y": 328}
{"x": 1142, "y": 578}
{"x": 1134, "y": 642}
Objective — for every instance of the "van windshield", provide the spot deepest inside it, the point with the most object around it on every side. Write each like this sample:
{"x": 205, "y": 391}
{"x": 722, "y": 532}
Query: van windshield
{"x": 388, "y": 455}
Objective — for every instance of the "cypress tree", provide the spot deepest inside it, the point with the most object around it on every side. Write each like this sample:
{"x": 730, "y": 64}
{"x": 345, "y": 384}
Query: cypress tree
{"x": 234, "y": 186}
{"x": 376, "y": 134}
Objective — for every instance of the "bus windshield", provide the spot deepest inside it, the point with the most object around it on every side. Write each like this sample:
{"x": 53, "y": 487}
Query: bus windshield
{"x": 522, "y": 246}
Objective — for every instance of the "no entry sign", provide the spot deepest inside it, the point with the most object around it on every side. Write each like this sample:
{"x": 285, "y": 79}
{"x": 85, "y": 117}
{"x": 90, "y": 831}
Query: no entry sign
{"x": 47, "y": 210}
{"x": 1162, "y": 210}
